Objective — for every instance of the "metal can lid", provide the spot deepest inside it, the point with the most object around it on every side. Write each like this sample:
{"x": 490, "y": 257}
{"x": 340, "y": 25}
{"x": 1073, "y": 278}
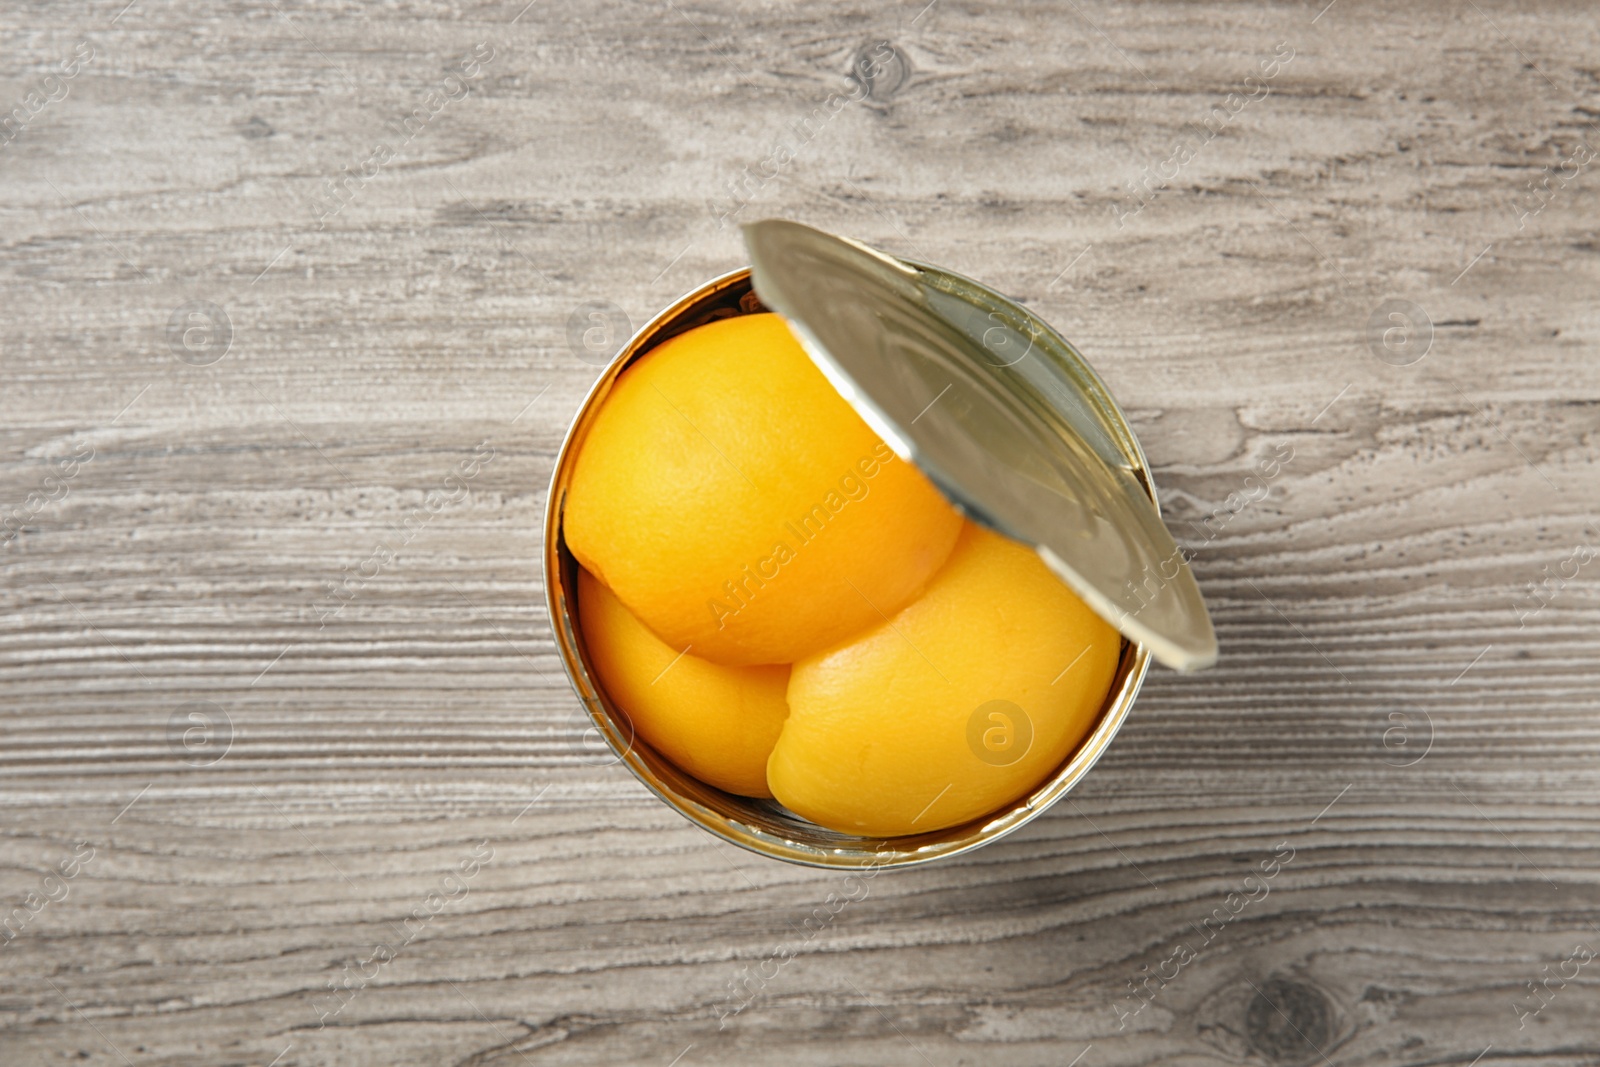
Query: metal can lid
{"x": 999, "y": 412}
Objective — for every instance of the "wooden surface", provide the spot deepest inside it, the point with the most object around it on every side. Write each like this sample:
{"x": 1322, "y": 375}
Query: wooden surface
{"x": 1389, "y": 708}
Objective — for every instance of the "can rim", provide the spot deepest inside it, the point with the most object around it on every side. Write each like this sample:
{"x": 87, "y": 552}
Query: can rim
{"x": 759, "y": 828}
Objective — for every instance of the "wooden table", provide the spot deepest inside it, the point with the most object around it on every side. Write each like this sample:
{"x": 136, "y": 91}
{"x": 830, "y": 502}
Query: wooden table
{"x": 247, "y": 762}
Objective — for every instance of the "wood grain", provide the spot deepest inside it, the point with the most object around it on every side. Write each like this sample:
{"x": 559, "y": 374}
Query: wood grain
{"x": 1388, "y": 705}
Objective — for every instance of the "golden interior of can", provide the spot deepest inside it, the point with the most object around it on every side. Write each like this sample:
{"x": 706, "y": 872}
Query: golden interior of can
{"x": 764, "y": 826}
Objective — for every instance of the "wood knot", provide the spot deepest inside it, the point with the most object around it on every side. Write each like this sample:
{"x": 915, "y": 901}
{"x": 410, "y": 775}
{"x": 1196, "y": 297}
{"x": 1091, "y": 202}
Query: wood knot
{"x": 881, "y": 69}
{"x": 1289, "y": 1022}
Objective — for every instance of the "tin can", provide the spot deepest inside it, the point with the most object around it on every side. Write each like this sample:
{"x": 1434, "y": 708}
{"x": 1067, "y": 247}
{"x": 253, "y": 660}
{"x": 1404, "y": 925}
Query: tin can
{"x": 764, "y": 826}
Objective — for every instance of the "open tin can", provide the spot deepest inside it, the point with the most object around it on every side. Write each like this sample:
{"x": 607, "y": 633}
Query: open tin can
{"x": 1034, "y": 446}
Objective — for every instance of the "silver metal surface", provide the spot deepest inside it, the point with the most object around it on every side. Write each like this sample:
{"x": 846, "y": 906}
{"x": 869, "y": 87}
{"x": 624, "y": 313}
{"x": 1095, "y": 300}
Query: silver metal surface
{"x": 1000, "y": 412}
